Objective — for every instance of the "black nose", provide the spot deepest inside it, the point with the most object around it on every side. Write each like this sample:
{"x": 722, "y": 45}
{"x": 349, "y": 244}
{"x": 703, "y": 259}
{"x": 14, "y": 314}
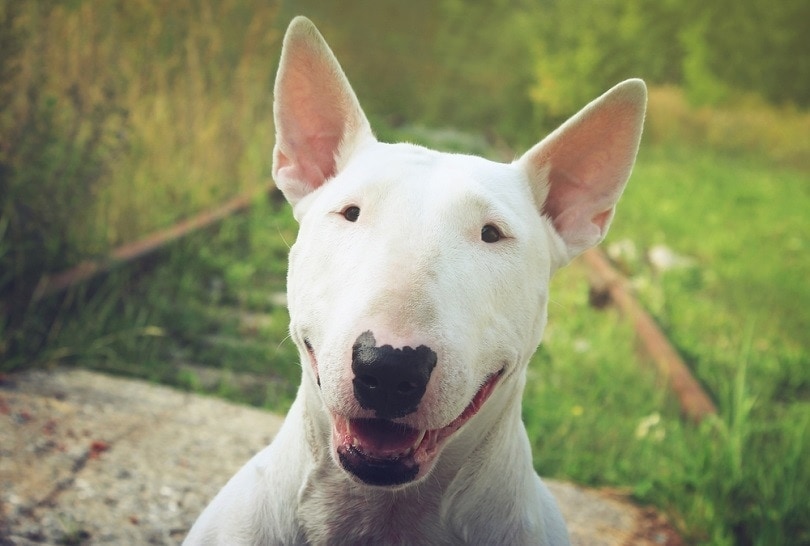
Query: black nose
{"x": 387, "y": 380}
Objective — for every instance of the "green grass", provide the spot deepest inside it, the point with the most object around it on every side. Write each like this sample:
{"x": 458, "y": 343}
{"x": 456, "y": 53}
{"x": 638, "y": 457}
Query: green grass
{"x": 743, "y": 222}
{"x": 744, "y": 225}
{"x": 207, "y": 306}
{"x": 170, "y": 105}
{"x": 739, "y": 316}
{"x": 598, "y": 414}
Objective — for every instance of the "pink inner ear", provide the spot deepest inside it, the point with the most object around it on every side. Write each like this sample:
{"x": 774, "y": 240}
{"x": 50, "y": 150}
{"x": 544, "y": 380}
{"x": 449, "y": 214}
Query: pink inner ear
{"x": 314, "y": 164}
{"x": 584, "y": 186}
{"x": 582, "y": 167}
{"x": 317, "y": 114}
{"x": 601, "y": 220}
{"x": 310, "y": 122}
{"x": 296, "y": 178}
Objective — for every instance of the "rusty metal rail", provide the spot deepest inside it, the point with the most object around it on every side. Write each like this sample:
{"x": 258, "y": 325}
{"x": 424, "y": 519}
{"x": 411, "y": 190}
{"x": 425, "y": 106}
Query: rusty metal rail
{"x": 58, "y": 282}
{"x": 695, "y": 403}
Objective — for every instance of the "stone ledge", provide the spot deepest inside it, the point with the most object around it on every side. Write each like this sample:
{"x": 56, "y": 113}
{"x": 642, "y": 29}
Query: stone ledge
{"x": 87, "y": 458}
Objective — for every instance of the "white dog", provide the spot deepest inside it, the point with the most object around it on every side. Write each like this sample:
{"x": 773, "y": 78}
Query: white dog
{"x": 418, "y": 288}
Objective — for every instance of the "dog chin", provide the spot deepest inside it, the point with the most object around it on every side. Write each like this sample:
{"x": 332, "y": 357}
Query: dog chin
{"x": 384, "y": 453}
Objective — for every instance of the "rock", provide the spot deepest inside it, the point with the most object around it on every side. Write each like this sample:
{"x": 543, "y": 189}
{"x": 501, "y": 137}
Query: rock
{"x": 91, "y": 459}
{"x": 624, "y": 254}
{"x": 663, "y": 259}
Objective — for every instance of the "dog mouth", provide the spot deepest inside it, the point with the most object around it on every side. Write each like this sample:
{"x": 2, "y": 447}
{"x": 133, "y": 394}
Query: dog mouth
{"x": 381, "y": 452}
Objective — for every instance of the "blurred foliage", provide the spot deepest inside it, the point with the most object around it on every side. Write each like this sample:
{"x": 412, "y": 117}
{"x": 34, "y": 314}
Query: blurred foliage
{"x": 716, "y": 50}
{"x": 750, "y": 128}
{"x": 515, "y": 68}
{"x": 754, "y": 45}
{"x": 119, "y": 118}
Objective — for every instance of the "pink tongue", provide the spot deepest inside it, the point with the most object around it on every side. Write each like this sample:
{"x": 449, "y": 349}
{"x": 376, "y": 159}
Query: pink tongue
{"x": 381, "y": 438}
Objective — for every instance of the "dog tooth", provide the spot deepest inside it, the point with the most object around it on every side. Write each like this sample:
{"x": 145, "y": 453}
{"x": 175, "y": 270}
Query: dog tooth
{"x": 352, "y": 438}
{"x": 419, "y": 438}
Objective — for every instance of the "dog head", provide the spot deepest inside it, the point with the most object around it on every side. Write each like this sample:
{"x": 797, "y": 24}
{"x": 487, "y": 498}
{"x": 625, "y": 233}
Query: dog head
{"x": 418, "y": 284}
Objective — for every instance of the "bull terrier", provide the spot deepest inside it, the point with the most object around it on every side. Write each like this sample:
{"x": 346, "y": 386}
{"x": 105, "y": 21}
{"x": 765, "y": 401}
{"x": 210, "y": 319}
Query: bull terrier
{"x": 418, "y": 291}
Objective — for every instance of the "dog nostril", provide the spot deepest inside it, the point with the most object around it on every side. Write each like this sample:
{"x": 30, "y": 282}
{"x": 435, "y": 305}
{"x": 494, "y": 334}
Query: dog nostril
{"x": 406, "y": 387}
{"x": 369, "y": 381}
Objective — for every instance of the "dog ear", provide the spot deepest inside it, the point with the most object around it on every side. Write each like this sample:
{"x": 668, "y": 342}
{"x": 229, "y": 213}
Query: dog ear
{"x": 579, "y": 171}
{"x": 318, "y": 118}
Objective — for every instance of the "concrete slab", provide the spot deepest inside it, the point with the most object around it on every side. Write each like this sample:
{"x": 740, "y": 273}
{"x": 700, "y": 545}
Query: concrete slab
{"x": 91, "y": 459}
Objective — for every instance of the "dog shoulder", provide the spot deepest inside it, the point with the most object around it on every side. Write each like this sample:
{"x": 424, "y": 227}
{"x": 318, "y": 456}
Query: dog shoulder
{"x": 257, "y": 505}
{"x": 251, "y": 509}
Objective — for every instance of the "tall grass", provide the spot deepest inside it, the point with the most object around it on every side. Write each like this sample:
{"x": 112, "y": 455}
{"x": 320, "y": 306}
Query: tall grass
{"x": 117, "y": 119}
{"x": 191, "y": 83}
{"x": 206, "y": 315}
{"x": 738, "y": 313}
{"x": 199, "y": 101}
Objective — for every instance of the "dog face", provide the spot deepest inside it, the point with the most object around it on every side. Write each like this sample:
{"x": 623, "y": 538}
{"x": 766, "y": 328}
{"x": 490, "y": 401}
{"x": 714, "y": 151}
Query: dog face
{"x": 419, "y": 252}
{"x": 418, "y": 283}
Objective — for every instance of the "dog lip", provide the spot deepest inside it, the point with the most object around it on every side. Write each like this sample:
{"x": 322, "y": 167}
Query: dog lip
{"x": 378, "y": 442}
{"x": 477, "y": 402}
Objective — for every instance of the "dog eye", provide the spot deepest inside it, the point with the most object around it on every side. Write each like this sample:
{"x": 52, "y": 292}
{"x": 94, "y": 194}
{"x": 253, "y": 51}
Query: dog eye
{"x": 351, "y": 213}
{"x": 490, "y": 234}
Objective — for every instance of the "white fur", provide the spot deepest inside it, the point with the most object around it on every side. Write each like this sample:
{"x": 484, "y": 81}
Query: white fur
{"x": 413, "y": 270}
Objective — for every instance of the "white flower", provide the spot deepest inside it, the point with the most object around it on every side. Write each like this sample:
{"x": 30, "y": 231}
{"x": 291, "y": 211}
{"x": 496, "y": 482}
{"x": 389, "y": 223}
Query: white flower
{"x": 648, "y": 425}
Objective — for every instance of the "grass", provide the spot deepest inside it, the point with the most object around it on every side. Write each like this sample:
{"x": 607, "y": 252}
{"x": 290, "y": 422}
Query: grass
{"x": 750, "y": 267}
{"x": 749, "y": 125}
{"x": 117, "y": 120}
{"x": 204, "y": 315}
{"x": 182, "y": 93}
